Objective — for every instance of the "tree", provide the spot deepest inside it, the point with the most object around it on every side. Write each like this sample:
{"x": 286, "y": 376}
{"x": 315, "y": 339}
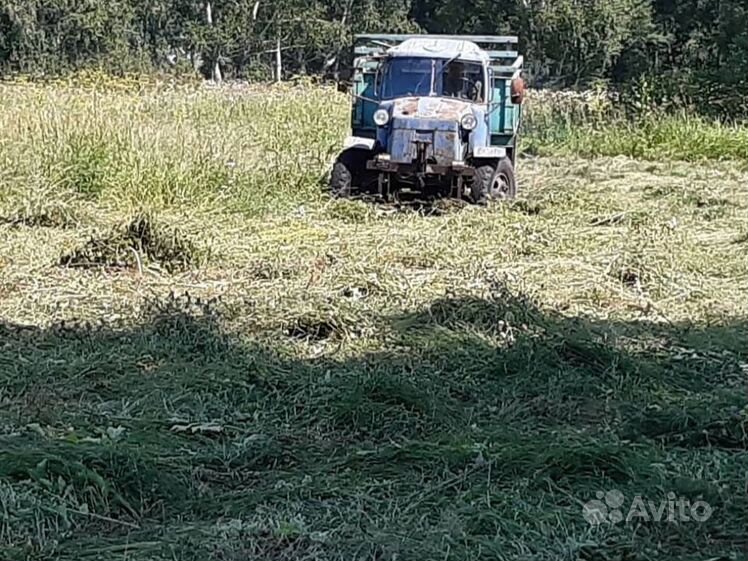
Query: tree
{"x": 690, "y": 49}
{"x": 576, "y": 41}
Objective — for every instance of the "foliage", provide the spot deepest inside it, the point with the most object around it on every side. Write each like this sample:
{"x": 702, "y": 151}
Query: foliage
{"x": 694, "y": 50}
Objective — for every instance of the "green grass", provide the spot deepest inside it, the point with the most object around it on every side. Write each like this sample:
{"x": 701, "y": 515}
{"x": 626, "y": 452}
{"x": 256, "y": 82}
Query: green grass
{"x": 202, "y": 357}
{"x": 590, "y": 125}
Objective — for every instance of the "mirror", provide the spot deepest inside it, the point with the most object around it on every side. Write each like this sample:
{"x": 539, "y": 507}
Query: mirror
{"x": 344, "y": 83}
{"x": 518, "y": 91}
{"x": 345, "y": 74}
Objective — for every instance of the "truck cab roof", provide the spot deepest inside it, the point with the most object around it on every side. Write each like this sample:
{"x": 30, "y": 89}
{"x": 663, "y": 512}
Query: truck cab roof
{"x": 440, "y": 48}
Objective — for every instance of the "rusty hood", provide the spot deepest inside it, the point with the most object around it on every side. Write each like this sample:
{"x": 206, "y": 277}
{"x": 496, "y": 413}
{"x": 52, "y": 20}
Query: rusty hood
{"x": 436, "y": 108}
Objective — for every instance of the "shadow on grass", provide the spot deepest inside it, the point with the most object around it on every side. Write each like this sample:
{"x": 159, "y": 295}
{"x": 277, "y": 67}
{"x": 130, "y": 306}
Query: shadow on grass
{"x": 477, "y": 429}
{"x": 354, "y": 208}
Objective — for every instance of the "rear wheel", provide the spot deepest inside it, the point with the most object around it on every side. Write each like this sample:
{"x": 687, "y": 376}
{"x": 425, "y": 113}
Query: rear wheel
{"x": 494, "y": 183}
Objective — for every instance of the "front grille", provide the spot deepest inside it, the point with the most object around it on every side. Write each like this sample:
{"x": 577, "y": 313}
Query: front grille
{"x": 442, "y": 140}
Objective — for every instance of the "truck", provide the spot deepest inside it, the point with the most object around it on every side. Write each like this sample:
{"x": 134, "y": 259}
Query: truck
{"x": 433, "y": 114}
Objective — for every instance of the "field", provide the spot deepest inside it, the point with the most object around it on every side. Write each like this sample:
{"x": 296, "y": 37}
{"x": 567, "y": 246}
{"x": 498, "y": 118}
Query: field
{"x": 203, "y": 357}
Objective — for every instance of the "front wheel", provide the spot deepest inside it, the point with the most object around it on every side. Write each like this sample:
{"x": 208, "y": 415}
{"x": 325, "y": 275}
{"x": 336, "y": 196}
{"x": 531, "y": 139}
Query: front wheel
{"x": 341, "y": 180}
{"x": 495, "y": 183}
{"x": 348, "y": 170}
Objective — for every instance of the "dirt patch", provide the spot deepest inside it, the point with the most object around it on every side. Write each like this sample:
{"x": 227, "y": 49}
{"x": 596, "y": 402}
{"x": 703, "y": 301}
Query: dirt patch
{"x": 50, "y": 216}
{"x": 526, "y": 207}
{"x": 311, "y": 329}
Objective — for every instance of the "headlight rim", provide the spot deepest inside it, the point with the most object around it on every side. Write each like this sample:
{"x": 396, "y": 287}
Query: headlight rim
{"x": 469, "y": 122}
{"x": 382, "y": 122}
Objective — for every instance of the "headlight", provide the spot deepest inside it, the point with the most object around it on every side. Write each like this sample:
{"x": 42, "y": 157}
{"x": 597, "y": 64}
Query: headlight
{"x": 469, "y": 122}
{"x": 381, "y": 117}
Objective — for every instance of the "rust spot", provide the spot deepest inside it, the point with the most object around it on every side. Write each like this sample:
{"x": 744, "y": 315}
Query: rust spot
{"x": 445, "y": 147}
{"x": 409, "y": 107}
{"x": 431, "y": 108}
{"x": 449, "y": 110}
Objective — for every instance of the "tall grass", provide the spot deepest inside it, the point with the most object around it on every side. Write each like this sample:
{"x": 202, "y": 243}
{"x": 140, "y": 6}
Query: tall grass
{"x": 251, "y": 148}
{"x": 594, "y": 124}
{"x": 141, "y": 145}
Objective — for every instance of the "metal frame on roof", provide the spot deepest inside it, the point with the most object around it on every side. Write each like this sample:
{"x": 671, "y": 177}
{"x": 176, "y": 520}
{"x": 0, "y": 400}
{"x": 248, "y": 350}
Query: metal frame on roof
{"x": 504, "y": 61}
{"x": 488, "y": 39}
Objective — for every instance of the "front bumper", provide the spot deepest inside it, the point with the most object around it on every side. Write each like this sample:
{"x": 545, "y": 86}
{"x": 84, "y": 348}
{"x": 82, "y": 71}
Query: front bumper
{"x": 388, "y": 166}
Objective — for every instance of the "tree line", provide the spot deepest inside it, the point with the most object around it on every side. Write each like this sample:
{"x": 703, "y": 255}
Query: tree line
{"x": 695, "y": 51}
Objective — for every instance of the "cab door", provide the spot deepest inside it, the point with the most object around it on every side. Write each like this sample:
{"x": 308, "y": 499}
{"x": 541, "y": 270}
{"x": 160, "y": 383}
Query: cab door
{"x": 365, "y": 100}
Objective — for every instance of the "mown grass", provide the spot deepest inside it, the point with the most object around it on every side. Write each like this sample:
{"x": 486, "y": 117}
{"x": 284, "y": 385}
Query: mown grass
{"x": 203, "y": 357}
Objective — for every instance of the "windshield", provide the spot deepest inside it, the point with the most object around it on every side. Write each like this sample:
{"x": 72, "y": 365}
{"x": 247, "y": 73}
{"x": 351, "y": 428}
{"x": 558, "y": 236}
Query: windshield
{"x": 418, "y": 76}
{"x": 407, "y": 76}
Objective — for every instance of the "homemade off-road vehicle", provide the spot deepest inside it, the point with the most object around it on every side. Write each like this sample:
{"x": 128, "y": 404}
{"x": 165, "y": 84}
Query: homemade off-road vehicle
{"x": 434, "y": 114}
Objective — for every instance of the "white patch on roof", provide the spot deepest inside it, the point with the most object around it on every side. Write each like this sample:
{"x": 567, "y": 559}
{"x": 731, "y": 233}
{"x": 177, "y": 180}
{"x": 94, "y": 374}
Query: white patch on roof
{"x": 440, "y": 48}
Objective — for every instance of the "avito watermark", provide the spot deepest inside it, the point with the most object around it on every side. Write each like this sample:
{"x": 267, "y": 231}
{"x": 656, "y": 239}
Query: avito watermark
{"x": 609, "y": 508}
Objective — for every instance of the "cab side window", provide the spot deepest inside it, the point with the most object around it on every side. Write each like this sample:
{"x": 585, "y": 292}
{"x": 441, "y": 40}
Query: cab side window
{"x": 463, "y": 80}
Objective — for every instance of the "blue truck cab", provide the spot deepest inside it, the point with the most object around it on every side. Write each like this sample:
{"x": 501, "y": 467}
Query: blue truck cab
{"x": 433, "y": 113}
